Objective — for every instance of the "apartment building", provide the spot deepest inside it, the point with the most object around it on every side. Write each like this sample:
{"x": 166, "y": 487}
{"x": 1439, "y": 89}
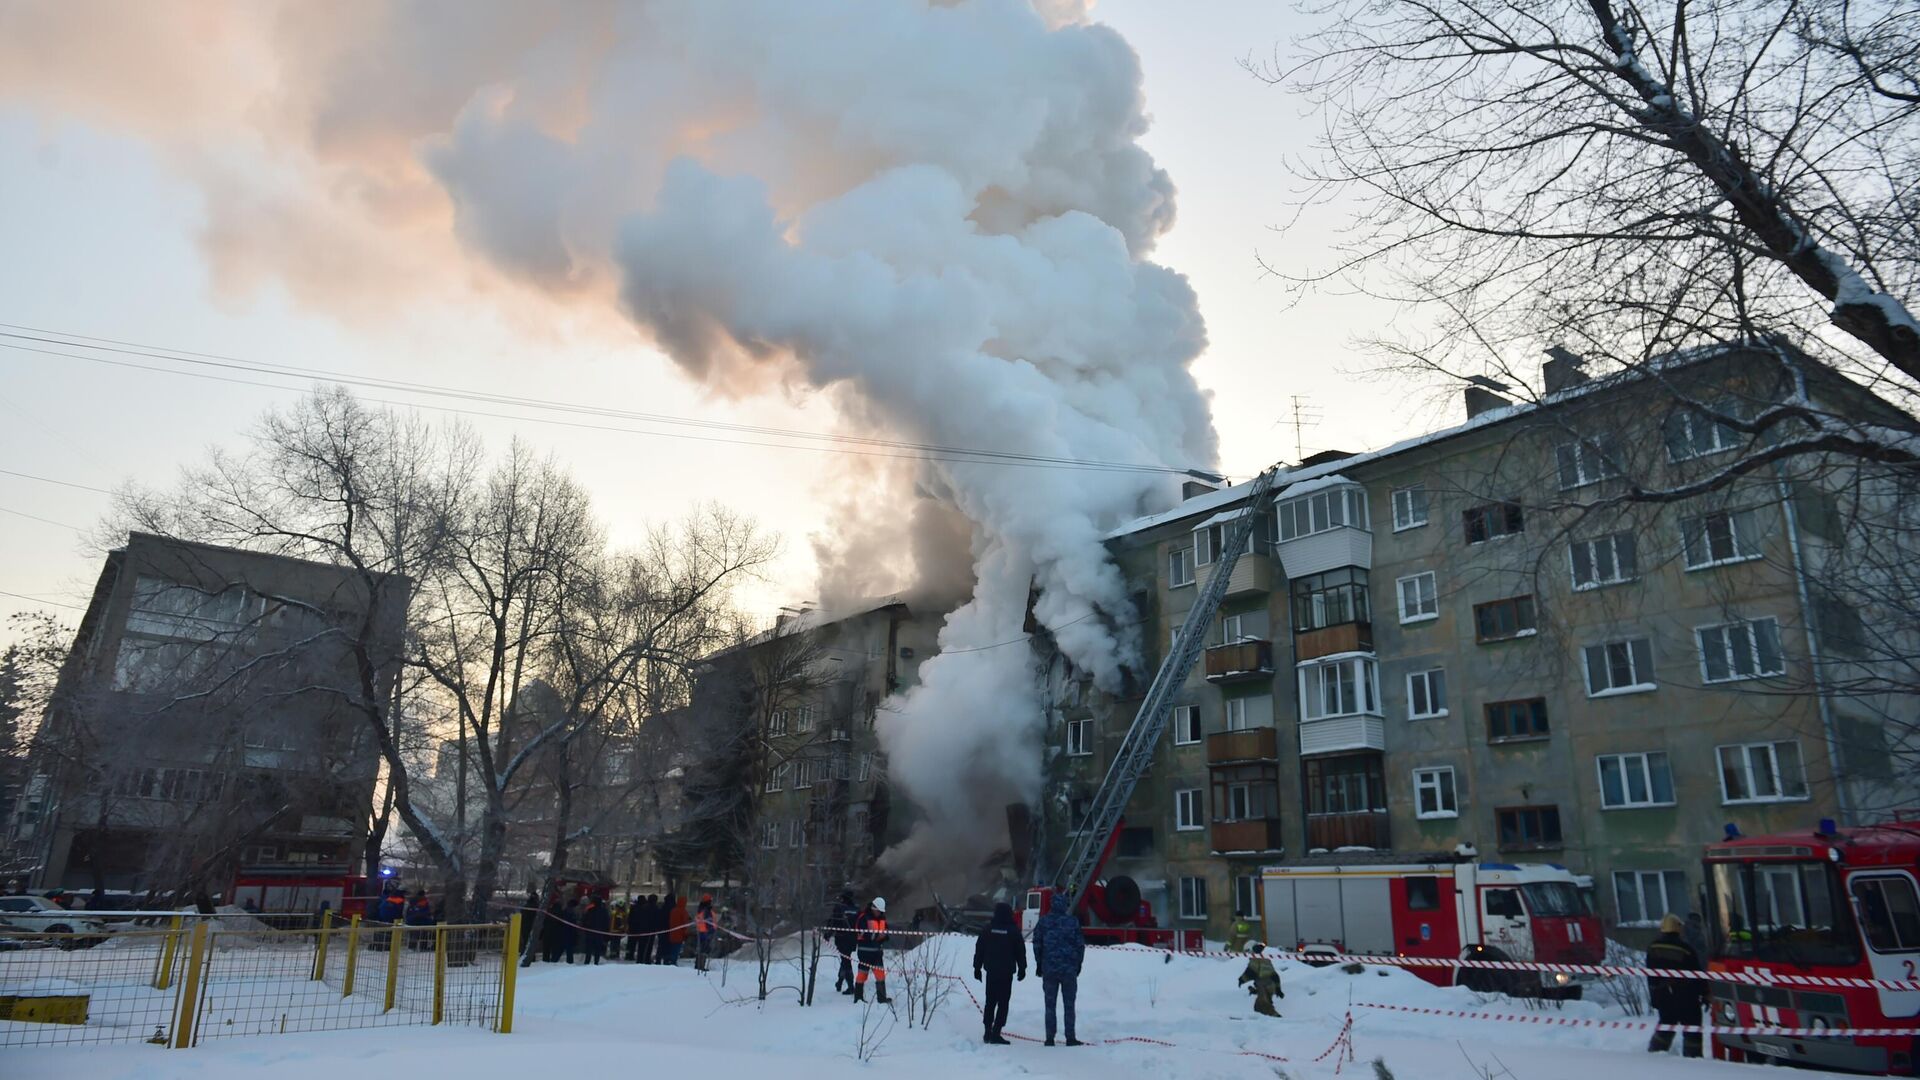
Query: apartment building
{"x": 1472, "y": 637}
{"x": 203, "y": 726}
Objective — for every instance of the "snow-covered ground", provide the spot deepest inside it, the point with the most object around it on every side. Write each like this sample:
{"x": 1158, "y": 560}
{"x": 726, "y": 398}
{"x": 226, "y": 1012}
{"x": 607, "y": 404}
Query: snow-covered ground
{"x": 623, "y": 1020}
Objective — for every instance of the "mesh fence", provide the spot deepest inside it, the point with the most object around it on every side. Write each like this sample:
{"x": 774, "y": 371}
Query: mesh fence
{"x": 215, "y": 978}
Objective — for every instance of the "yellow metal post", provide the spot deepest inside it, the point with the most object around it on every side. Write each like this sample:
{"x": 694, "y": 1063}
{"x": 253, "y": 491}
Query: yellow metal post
{"x": 439, "y": 971}
{"x": 163, "y": 966}
{"x": 320, "y": 937}
{"x": 188, "y": 1006}
{"x": 394, "y": 944}
{"x": 353, "y": 954}
{"x": 509, "y": 968}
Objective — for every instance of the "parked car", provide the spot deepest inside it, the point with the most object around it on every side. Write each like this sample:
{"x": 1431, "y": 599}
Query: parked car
{"x": 39, "y": 915}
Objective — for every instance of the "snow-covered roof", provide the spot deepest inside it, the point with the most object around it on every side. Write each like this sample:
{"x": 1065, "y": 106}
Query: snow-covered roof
{"x": 1224, "y": 517}
{"x": 1308, "y": 487}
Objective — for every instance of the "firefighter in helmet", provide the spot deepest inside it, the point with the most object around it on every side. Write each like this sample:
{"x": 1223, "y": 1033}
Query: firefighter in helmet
{"x": 1265, "y": 980}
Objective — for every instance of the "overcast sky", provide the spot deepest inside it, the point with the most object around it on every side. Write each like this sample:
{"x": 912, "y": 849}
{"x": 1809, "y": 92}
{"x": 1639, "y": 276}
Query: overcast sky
{"x": 102, "y": 237}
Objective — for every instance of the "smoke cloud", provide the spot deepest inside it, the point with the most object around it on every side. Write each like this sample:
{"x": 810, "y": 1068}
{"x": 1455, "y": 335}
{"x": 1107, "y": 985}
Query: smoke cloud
{"x": 940, "y": 213}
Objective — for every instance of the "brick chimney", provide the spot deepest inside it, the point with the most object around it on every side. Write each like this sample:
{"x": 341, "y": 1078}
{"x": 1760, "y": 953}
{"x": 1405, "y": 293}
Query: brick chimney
{"x": 1194, "y": 488}
{"x": 1563, "y": 370}
{"x": 1483, "y": 394}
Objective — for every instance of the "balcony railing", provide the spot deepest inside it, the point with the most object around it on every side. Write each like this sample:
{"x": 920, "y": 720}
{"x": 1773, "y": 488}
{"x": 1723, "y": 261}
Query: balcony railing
{"x": 1253, "y": 744}
{"x": 1252, "y": 573}
{"x": 1328, "y": 641}
{"x": 1332, "y": 831}
{"x": 1341, "y": 733}
{"x": 1253, "y": 834}
{"x": 1240, "y": 660}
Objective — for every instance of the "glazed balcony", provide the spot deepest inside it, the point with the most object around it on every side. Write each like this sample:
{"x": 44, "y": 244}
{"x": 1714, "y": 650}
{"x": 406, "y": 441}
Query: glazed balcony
{"x": 1334, "y": 831}
{"x": 1240, "y": 661}
{"x": 1253, "y": 834}
{"x": 1253, "y": 744}
{"x": 1349, "y": 637}
{"x": 1252, "y": 573}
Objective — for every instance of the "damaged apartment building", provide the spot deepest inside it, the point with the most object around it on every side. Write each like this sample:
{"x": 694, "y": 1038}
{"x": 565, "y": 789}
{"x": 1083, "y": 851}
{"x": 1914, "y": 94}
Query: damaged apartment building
{"x": 1434, "y": 644}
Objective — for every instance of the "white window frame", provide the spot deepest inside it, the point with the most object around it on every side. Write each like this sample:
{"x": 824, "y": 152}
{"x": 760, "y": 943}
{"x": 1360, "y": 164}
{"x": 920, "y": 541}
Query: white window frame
{"x": 1365, "y": 683}
{"x": 777, "y": 722}
{"x": 1632, "y": 762}
{"x": 1651, "y": 914}
{"x": 1246, "y": 896}
{"x": 1235, "y": 711}
{"x": 1080, "y": 738}
{"x": 1242, "y": 791}
{"x": 1776, "y": 777}
{"x": 1343, "y": 507}
{"x": 1233, "y": 629}
{"x": 797, "y": 833}
{"x": 803, "y": 718}
{"x": 802, "y": 774}
{"x": 1425, "y": 678}
{"x": 1426, "y": 602}
{"x": 1588, "y": 460}
{"x": 1624, "y": 570}
{"x": 1637, "y": 651}
{"x": 866, "y": 767}
{"x": 1189, "y": 810}
{"x": 1180, "y": 567}
{"x": 1410, "y": 509}
{"x": 769, "y": 835}
{"x": 1746, "y": 547}
{"x": 777, "y": 777}
{"x": 1729, "y": 652}
{"x": 1193, "y": 898}
{"x": 1207, "y": 541}
{"x": 1722, "y": 438}
{"x": 1446, "y": 795}
{"x": 1186, "y": 720}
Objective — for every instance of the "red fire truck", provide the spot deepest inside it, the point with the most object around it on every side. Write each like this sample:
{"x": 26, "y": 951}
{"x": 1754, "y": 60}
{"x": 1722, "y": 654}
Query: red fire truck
{"x": 1440, "y": 906}
{"x": 1827, "y": 903}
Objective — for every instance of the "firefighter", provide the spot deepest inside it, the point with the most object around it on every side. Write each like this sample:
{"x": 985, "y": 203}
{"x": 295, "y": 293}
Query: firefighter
{"x": 840, "y": 930}
{"x": 870, "y": 939}
{"x": 1678, "y": 1000}
{"x": 1000, "y": 952}
{"x": 1265, "y": 980}
{"x": 1241, "y": 937}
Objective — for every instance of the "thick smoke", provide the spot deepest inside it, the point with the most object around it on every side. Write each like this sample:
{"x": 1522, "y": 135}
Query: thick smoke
{"x": 939, "y": 212}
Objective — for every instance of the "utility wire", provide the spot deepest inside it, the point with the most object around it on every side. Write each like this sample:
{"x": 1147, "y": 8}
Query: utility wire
{"x": 835, "y": 442}
{"x": 40, "y": 600}
{"x": 51, "y": 480}
{"x": 37, "y": 517}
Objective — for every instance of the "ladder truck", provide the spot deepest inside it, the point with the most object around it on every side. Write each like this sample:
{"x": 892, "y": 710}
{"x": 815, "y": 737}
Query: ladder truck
{"x": 1112, "y": 907}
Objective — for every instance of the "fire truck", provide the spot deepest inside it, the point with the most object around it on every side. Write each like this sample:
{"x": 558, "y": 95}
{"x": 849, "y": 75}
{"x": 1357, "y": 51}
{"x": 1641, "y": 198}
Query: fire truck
{"x": 1825, "y": 903}
{"x": 1440, "y": 906}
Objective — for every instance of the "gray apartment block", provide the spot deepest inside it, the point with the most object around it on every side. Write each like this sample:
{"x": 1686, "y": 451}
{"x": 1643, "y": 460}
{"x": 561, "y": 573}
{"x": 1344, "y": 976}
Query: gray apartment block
{"x": 1471, "y": 638}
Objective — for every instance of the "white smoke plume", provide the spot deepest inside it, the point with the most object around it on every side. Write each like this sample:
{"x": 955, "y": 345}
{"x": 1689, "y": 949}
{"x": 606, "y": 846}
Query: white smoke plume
{"x": 938, "y": 212}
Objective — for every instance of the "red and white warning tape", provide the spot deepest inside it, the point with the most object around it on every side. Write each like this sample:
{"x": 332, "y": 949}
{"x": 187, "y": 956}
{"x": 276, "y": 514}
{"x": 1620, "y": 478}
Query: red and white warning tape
{"x": 1633, "y": 1025}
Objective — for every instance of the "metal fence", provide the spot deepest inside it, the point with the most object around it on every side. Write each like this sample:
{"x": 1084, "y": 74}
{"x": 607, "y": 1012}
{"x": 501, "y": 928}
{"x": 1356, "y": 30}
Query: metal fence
{"x": 206, "y": 978}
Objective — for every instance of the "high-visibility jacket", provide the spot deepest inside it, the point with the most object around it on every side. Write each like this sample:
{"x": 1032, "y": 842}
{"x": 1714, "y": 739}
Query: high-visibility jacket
{"x": 703, "y": 921}
{"x": 872, "y": 935}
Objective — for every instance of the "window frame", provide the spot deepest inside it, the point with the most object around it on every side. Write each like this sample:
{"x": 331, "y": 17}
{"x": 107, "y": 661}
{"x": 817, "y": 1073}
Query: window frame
{"x": 1523, "y": 603}
{"x": 1193, "y": 898}
{"x": 1180, "y": 558}
{"x": 1243, "y": 789}
{"x": 1539, "y": 810}
{"x": 1690, "y": 417}
{"x": 1593, "y": 455}
{"x": 1645, "y": 761}
{"x": 1080, "y": 733}
{"x": 1778, "y": 775}
{"x": 1636, "y": 651}
{"x": 1199, "y": 733}
{"x": 1753, "y": 651}
{"x": 1246, "y": 887}
{"x": 1745, "y": 548}
{"x": 1663, "y": 878}
{"x": 1343, "y": 506}
{"x": 1185, "y": 800}
{"x": 777, "y": 778}
{"x": 1425, "y": 675}
{"x": 1418, "y": 507}
{"x": 1429, "y": 602}
{"x": 777, "y": 722}
{"x": 1365, "y": 683}
{"x": 1510, "y": 516}
{"x": 1624, "y": 570}
{"x": 1429, "y": 777}
{"x": 1540, "y": 722}
{"x": 1233, "y": 712}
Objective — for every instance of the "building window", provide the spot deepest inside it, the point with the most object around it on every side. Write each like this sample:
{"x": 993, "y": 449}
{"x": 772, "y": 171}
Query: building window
{"x": 1492, "y": 521}
{"x": 1524, "y": 828}
{"x": 1500, "y": 620}
{"x": 1246, "y": 896}
{"x": 1239, "y": 802}
{"x": 769, "y": 834}
{"x": 1208, "y": 542}
{"x": 1588, "y": 461}
{"x": 1346, "y": 687}
{"x": 1193, "y": 898}
{"x": 1691, "y": 433}
{"x": 1179, "y": 567}
{"x": 1409, "y": 507}
{"x": 1333, "y": 598}
{"x": 1619, "y": 667}
{"x": 1321, "y": 511}
{"x": 1347, "y": 784}
{"x": 1186, "y": 725}
{"x": 777, "y": 723}
{"x": 1512, "y": 720}
{"x": 1644, "y": 897}
{"x": 866, "y": 767}
{"x": 1605, "y": 560}
{"x": 796, "y": 833}
{"x": 1079, "y": 738}
{"x": 803, "y": 718}
{"x": 802, "y": 774}
{"x": 1762, "y": 772}
{"x": 1716, "y": 539}
{"x": 1236, "y": 710}
{"x": 1419, "y": 598}
{"x": 1433, "y": 794}
{"x": 1740, "y": 650}
{"x": 777, "y": 776}
{"x": 1188, "y": 812}
{"x": 1427, "y": 694}
{"x": 1630, "y": 780}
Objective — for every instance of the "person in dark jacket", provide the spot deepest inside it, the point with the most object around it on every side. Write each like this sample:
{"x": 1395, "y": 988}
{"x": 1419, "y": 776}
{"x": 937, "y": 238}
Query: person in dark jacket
{"x": 551, "y": 930}
{"x": 1000, "y": 953}
{"x": 596, "y": 923}
{"x": 704, "y": 925}
{"x": 1678, "y": 1000}
{"x": 419, "y": 912}
{"x": 870, "y": 944}
{"x": 640, "y": 930}
{"x": 570, "y": 928}
{"x": 1058, "y": 949}
{"x": 840, "y": 931}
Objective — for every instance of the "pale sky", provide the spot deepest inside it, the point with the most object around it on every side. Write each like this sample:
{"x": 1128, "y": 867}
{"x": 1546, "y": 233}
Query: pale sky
{"x": 100, "y": 236}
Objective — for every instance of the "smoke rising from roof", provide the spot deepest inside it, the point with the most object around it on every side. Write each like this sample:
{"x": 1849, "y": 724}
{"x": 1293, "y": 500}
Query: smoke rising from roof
{"x": 939, "y": 213}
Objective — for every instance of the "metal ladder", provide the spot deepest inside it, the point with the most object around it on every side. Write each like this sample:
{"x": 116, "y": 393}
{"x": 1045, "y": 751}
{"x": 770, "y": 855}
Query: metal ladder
{"x": 1089, "y": 847}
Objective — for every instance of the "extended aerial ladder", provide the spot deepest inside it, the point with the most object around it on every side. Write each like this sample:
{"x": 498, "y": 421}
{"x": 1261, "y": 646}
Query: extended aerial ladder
{"x": 1100, "y": 830}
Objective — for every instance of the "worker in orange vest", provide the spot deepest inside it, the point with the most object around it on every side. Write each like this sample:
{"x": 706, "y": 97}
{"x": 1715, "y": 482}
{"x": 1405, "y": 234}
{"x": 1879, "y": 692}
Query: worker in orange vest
{"x": 870, "y": 944}
{"x": 703, "y": 926}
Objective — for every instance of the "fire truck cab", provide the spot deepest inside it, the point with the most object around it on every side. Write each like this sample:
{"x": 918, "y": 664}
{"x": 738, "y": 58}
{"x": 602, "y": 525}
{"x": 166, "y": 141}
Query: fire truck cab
{"x": 1440, "y": 906}
{"x": 1830, "y": 902}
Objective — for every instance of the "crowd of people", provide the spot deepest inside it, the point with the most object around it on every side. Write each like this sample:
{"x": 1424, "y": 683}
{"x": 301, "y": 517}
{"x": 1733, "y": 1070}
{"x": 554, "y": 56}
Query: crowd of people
{"x": 593, "y": 929}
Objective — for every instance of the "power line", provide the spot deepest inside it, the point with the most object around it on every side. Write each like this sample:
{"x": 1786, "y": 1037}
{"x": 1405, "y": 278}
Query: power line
{"x": 37, "y": 517}
{"x": 834, "y": 442}
{"x": 51, "y": 480}
{"x": 41, "y": 600}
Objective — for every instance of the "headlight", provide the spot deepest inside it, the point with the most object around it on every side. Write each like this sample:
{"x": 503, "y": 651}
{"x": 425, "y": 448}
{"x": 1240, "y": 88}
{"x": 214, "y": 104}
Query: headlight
{"x": 1561, "y": 978}
{"x": 1727, "y": 1015}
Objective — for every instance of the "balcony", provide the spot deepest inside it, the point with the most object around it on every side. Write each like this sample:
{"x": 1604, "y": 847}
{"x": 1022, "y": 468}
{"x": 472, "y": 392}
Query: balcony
{"x": 1253, "y": 834}
{"x": 1334, "y": 831}
{"x": 1328, "y": 641}
{"x": 1340, "y": 733}
{"x": 1252, "y": 573}
{"x": 1242, "y": 660}
{"x": 1253, "y": 744}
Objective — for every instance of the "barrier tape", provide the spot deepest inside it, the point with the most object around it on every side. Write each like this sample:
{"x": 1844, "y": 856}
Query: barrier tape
{"x": 1636, "y": 1025}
